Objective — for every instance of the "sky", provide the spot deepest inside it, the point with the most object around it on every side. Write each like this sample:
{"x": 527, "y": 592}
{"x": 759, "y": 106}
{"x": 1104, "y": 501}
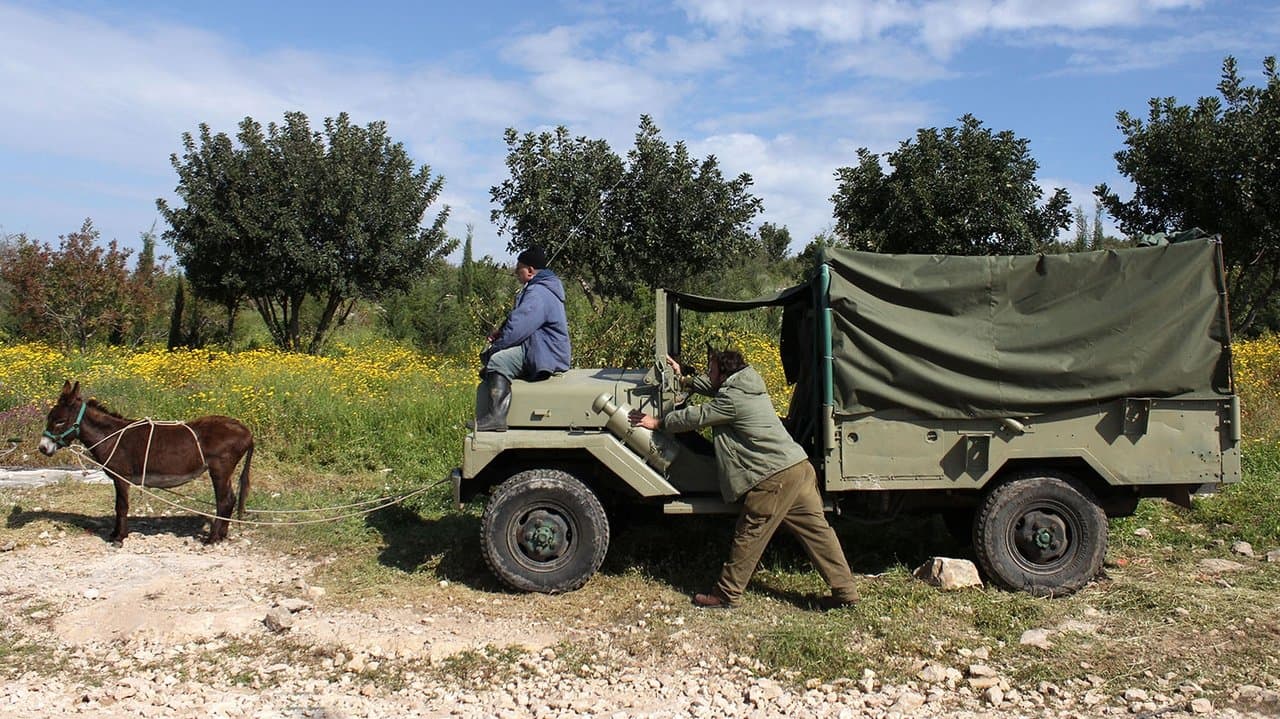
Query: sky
{"x": 95, "y": 95}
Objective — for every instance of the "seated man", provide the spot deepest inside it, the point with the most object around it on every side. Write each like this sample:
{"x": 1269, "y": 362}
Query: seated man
{"x": 532, "y": 344}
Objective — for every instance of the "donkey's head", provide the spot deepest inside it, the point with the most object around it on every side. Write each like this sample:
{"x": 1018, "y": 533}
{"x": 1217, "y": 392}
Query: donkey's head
{"x": 63, "y": 424}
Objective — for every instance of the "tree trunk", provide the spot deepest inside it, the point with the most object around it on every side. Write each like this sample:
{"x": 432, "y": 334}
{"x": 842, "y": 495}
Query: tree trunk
{"x": 175, "y": 320}
{"x": 326, "y": 317}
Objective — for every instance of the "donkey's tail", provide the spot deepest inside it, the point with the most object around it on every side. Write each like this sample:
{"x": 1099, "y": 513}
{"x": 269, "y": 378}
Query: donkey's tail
{"x": 244, "y": 481}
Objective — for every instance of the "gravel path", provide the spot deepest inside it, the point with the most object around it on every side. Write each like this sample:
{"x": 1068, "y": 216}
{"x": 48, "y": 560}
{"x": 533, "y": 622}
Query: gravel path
{"x": 166, "y": 627}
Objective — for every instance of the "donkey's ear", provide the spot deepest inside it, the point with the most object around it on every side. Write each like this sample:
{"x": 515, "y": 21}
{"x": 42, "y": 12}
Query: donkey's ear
{"x": 75, "y": 391}
{"x": 66, "y": 386}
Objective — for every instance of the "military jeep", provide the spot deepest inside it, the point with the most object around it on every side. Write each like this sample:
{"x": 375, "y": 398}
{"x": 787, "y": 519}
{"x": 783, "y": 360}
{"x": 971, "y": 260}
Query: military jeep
{"x": 1026, "y": 399}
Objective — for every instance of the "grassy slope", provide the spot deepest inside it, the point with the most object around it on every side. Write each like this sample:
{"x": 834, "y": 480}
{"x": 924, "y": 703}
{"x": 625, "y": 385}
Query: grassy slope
{"x": 1154, "y": 620}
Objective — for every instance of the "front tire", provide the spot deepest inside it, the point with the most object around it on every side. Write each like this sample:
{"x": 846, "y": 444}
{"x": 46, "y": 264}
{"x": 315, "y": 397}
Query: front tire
{"x": 1041, "y": 532}
{"x": 543, "y": 530}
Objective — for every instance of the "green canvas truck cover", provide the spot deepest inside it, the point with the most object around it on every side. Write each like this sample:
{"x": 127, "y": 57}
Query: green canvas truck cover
{"x": 1014, "y": 336}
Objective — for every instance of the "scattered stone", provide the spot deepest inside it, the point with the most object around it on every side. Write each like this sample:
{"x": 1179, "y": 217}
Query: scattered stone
{"x": 908, "y": 702}
{"x": 1249, "y": 693}
{"x": 949, "y": 574}
{"x": 981, "y": 670}
{"x": 278, "y": 620}
{"x": 9, "y": 546}
{"x": 1272, "y": 556}
{"x": 1036, "y": 638}
{"x": 314, "y": 593}
{"x": 1136, "y": 695}
{"x": 1218, "y": 566}
{"x": 981, "y": 683}
{"x": 1200, "y": 706}
{"x": 1244, "y": 549}
{"x": 1142, "y": 532}
{"x": 292, "y": 605}
{"x": 994, "y": 696}
{"x": 933, "y": 673}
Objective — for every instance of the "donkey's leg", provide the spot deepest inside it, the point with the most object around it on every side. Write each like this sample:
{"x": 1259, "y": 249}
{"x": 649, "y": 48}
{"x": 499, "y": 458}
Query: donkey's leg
{"x": 122, "y": 512}
{"x": 220, "y": 475}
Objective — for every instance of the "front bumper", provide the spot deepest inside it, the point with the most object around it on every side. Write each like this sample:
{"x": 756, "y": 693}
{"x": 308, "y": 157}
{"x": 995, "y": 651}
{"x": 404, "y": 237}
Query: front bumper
{"x": 455, "y": 478}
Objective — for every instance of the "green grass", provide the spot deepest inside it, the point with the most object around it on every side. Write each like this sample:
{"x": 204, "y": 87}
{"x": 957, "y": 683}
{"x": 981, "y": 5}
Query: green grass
{"x": 1153, "y": 614}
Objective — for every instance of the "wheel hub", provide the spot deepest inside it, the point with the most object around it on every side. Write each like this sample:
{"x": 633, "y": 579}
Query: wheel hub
{"x": 1042, "y": 537}
{"x": 543, "y": 536}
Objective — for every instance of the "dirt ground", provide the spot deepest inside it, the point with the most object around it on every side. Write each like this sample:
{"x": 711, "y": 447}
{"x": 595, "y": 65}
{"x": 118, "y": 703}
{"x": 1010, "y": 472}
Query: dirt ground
{"x": 165, "y": 626}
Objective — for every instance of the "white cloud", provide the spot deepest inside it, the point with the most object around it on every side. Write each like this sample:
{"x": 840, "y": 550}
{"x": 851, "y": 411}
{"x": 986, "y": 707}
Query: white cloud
{"x": 120, "y": 94}
{"x": 939, "y": 26}
{"x": 577, "y": 85}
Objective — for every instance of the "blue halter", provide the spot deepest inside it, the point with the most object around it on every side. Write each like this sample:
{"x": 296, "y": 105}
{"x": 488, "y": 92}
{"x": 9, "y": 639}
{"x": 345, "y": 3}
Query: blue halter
{"x": 61, "y": 439}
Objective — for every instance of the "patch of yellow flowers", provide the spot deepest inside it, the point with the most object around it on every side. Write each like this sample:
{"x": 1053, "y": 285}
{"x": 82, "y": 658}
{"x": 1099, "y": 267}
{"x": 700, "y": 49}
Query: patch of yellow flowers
{"x": 249, "y": 381}
{"x": 243, "y": 383}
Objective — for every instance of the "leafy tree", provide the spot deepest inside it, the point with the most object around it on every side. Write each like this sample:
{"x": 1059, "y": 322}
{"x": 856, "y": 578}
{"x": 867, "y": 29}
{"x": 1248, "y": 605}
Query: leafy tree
{"x": 775, "y": 241}
{"x": 808, "y": 257}
{"x": 656, "y": 219}
{"x": 435, "y": 314}
{"x": 964, "y": 190}
{"x": 1213, "y": 166}
{"x": 78, "y": 294}
{"x": 289, "y": 215}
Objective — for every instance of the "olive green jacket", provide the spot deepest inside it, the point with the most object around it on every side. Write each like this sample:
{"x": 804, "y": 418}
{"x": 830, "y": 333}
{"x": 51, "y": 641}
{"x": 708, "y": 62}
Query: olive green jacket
{"x": 751, "y": 443}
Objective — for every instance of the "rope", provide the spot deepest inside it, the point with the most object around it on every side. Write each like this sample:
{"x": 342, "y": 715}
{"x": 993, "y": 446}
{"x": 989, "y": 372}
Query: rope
{"x": 280, "y": 511}
{"x": 83, "y": 454}
{"x": 150, "y": 436}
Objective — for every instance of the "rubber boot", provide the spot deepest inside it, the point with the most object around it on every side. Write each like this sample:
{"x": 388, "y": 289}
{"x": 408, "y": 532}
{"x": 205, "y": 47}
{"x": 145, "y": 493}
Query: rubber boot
{"x": 499, "y": 405}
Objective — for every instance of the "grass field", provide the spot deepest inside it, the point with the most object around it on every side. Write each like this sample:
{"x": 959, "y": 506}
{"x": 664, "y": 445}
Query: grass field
{"x": 379, "y": 419}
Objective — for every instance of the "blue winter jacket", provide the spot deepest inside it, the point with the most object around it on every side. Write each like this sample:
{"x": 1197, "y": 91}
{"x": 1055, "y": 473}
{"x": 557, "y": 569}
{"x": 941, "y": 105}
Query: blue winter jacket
{"x": 538, "y": 323}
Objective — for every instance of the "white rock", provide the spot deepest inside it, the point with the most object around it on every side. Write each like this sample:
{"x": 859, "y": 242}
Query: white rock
{"x": 1201, "y": 706}
{"x": 1244, "y": 549}
{"x": 1273, "y": 555}
{"x": 278, "y": 619}
{"x": 933, "y": 673}
{"x": 293, "y": 606}
{"x": 1217, "y": 566}
{"x": 1036, "y": 638}
{"x": 908, "y": 702}
{"x": 948, "y": 573}
{"x": 994, "y": 696}
{"x": 1136, "y": 695}
{"x": 1142, "y": 532}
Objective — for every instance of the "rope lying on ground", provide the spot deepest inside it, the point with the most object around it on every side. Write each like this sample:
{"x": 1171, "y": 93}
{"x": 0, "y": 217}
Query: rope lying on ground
{"x": 83, "y": 455}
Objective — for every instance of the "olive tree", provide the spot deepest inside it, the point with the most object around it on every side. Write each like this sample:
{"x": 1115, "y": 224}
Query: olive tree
{"x": 289, "y": 215}
{"x": 657, "y": 218}
{"x": 1213, "y": 165}
{"x": 963, "y": 190}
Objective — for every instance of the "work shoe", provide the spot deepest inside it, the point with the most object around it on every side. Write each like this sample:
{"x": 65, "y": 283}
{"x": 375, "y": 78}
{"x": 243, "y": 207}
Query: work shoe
{"x": 831, "y": 602}
{"x": 711, "y": 600}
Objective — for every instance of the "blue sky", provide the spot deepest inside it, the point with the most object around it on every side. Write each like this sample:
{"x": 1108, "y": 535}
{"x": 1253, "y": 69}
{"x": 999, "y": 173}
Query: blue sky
{"x": 94, "y": 95}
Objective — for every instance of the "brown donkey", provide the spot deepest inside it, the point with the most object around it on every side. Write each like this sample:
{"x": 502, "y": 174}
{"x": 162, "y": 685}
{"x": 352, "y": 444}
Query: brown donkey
{"x": 153, "y": 454}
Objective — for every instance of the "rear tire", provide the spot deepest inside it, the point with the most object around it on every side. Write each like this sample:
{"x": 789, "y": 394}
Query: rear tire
{"x": 543, "y": 530}
{"x": 1042, "y": 532}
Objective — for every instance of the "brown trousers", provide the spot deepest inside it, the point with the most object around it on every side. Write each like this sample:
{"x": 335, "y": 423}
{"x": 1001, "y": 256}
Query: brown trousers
{"x": 789, "y": 498}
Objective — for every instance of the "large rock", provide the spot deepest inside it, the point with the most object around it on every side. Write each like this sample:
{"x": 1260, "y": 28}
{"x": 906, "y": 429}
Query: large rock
{"x": 1218, "y": 566}
{"x": 948, "y": 573}
{"x": 278, "y": 620}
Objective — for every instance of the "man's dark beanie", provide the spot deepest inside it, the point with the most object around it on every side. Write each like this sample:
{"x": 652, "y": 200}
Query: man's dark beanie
{"x": 533, "y": 257}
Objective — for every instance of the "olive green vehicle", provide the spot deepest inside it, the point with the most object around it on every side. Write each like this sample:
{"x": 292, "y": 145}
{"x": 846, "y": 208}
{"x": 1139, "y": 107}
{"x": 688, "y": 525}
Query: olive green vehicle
{"x": 1026, "y": 399}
